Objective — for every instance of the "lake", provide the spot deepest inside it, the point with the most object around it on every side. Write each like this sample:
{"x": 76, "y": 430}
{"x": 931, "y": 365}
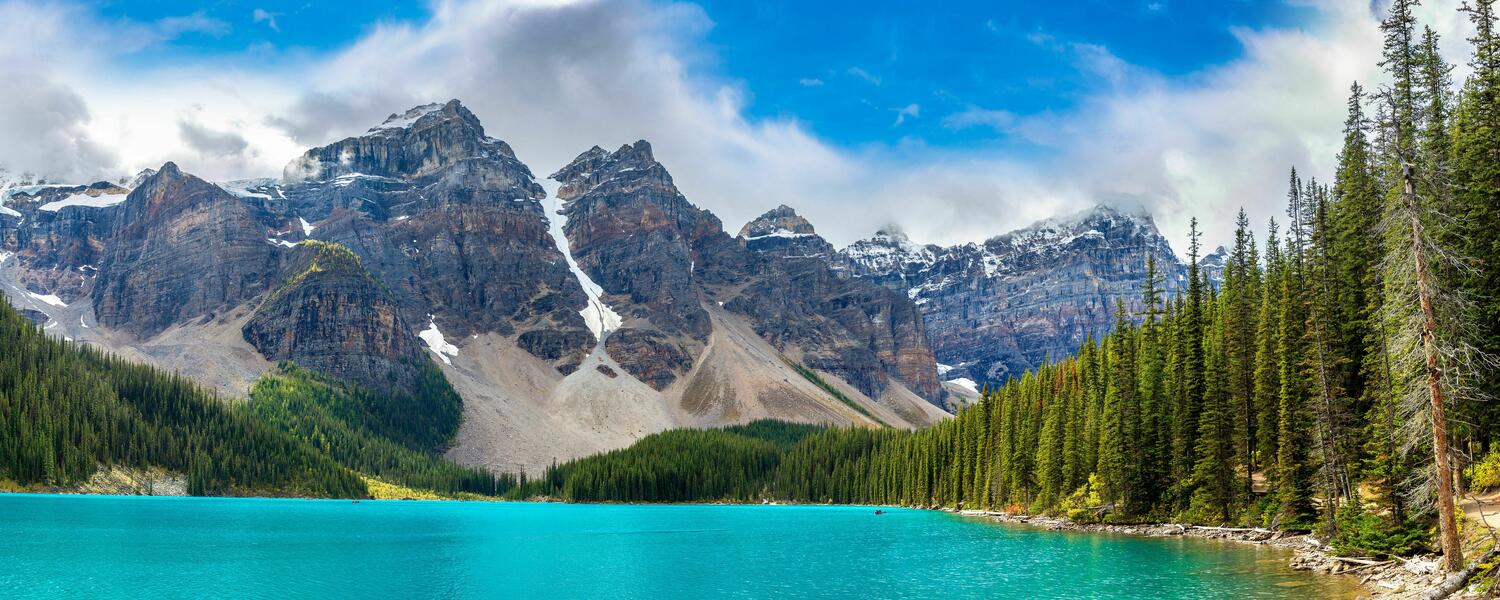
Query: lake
{"x": 135, "y": 547}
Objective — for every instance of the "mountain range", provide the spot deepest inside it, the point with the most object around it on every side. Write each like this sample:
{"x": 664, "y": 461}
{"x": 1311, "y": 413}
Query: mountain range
{"x": 568, "y": 324}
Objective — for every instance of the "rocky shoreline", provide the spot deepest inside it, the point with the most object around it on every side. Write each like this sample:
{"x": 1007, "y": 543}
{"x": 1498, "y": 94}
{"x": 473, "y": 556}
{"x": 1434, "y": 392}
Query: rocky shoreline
{"x": 1389, "y": 579}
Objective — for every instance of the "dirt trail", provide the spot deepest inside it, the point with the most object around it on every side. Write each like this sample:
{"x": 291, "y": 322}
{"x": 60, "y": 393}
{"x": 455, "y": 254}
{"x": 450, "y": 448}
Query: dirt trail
{"x": 1483, "y": 509}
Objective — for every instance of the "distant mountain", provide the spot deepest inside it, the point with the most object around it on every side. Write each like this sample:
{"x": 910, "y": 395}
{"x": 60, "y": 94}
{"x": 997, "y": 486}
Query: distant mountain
{"x": 1212, "y": 266}
{"x": 998, "y": 308}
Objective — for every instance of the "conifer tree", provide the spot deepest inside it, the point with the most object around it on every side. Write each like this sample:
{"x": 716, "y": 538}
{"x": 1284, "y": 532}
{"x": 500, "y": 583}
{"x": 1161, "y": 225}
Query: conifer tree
{"x": 1215, "y": 490}
{"x": 1114, "y": 430}
{"x": 1267, "y": 362}
{"x": 1476, "y": 198}
{"x": 1293, "y": 462}
{"x": 1239, "y": 315}
{"x": 1189, "y": 342}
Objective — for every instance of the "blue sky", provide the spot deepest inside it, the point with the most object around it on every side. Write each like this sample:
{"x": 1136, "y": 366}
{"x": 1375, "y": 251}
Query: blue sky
{"x": 956, "y": 121}
{"x": 848, "y": 68}
{"x": 854, "y": 73}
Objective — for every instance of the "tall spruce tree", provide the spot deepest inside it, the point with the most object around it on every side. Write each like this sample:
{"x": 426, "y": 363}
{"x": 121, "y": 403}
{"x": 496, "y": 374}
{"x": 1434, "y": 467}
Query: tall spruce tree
{"x": 1241, "y": 301}
{"x": 1293, "y": 481}
{"x": 1190, "y": 399}
{"x": 1476, "y": 201}
{"x": 1215, "y": 491}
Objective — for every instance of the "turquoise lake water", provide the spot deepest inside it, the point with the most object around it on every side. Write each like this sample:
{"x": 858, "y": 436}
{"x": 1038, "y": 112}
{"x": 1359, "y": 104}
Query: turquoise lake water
{"x": 129, "y": 547}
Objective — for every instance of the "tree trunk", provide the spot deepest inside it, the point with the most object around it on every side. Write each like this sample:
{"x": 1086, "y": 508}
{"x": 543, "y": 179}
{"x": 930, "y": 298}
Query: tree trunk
{"x": 1452, "y": 554}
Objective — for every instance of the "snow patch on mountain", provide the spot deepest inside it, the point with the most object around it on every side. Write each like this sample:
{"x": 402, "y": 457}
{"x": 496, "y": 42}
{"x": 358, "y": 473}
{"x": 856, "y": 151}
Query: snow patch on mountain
{"x": 781, "y": 233}
{"x": 965, "y": 383}
{"x": 244, "y": 188}
{"x": 599, "y": 317}
{"x": 436, "y": 342}
{"x": 51, "y": 299}
{"x": 84, "y": 200}
{"x": 406, "y": 119}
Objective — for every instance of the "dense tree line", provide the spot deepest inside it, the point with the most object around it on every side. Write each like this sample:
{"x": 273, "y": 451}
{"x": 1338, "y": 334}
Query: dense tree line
{"x": 391, "y": 436}
{"x": 685, "y": 465}
{"x": 65, "y": 409}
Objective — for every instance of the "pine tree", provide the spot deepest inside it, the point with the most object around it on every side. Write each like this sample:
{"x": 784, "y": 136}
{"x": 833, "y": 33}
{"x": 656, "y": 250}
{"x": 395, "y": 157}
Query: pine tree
{"x": 1354, "y": 252}
{"x": 1475, "y": 182}
{"x": 1239, "y": 316}
{"x": 1155, "y": 434}
{"x": 1189, "y": 341}
{"x": 1215, "y": 489}
{"x": 1293, "y": 463}
{"x": 1118, "y": 435}
{"x": 1400, "y": 59}
{"x": 1267, "y": 363}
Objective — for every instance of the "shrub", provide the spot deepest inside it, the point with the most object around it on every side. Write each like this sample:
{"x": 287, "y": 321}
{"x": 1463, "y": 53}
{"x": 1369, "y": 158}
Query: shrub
{"x": 1486, "y": 474}
{"x": 1361, "y": 533}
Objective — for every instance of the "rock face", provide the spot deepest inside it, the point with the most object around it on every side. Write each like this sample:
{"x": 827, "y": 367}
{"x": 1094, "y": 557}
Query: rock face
{"x": 182, "y": 249}
{"x": 660, "y": 258}
{"x": 332, "y": 316}
{"x": 57, "y": 233}
{"x": 450, "y": 220}
{"x": 637, "y": 237}
{"x": 996, "y": 309}
{"x": 852, "y": 328}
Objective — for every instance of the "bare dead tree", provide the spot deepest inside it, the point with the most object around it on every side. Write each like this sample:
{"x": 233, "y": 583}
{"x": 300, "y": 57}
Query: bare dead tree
{"x": 1433, "y": 363}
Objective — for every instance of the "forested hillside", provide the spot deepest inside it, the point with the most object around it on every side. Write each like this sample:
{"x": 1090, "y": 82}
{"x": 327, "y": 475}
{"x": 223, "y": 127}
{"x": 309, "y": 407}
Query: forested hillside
{"x": 65, "y": 410}
{"x": 392, "y": 436}
{"x": 1337, "y": 379}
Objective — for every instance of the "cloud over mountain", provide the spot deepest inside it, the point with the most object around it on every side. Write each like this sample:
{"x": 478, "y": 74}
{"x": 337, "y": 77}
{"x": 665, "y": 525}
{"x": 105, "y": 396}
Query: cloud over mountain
{"x": 557, "y": 77}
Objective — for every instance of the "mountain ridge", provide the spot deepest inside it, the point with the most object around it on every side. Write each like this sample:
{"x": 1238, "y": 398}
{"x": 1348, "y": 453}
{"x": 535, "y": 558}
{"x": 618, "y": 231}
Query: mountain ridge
{"x": 445, "y": 232}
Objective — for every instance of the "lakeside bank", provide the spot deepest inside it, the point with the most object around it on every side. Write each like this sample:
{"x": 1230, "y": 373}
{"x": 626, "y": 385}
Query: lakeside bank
{"x": 1419, "y": 577}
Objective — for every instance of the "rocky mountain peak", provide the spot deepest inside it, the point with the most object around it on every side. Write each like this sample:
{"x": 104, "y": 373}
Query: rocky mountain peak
{"x": 783, "y": 232}
{"x": 1212, "y": 265}
{"x": 168, "y": 169}
{"x": 889, "y": 256}
{"x": 168, "y": 190}
{"x": 416, "y": 144}
{"x": 631, "y": 166}
{"x": 1096, "y": 223}
{"x": 182, "y": 248}
{"x": 782, "y": 220}
{"x": 998, "y": 308}
{"x": 140, "y": 178}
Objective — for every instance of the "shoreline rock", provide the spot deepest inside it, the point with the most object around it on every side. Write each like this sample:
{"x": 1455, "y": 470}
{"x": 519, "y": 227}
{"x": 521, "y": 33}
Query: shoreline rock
{"x": 1390, "y": 579}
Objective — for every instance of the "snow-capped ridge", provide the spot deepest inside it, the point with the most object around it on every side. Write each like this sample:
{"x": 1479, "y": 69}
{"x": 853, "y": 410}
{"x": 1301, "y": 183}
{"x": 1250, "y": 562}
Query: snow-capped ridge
{"x": 408, "y": 118}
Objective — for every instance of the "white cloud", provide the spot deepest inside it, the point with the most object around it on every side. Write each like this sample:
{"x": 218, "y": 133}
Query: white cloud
{"x": 810, "y": 82}
{"x": 556, "y": 77}
{"x": 865, "y": 75}
{"x": 269, "y": 18}
{"x": 197, "y": 22}
{"x": 910, "y": 110}
{"x": 1001, "y": 121}
{"x": 43, "y": 121}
